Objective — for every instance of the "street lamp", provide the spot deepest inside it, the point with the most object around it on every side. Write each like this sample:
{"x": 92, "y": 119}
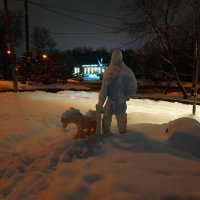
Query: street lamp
{"x": 8, "y": 52}
{"x": 44, "y": 56}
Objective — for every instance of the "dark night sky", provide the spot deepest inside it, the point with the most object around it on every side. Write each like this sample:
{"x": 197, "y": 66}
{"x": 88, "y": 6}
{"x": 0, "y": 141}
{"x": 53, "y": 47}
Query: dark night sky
{"x": 57, "y": 23}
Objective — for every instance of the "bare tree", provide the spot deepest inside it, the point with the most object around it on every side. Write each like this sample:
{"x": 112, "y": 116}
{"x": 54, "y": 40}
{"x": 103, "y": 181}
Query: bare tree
{"x": 16, "y": 29}
{"x": 195, "y": 4}
{"x": 156, "y": 22}
{"x": 41, "y": 40}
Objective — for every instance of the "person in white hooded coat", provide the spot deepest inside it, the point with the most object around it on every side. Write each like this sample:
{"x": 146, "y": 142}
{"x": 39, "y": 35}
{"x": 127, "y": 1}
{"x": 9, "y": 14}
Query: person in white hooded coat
{"x": 118, "y": 86}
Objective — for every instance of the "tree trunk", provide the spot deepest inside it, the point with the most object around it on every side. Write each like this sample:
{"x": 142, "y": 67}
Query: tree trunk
{"x": 14, "y": 78}
{"x": 182, "y": 89}
{"x": 9, "y": 46}
{"x": 171, "y": 58}
{"x": 168, "y": 86}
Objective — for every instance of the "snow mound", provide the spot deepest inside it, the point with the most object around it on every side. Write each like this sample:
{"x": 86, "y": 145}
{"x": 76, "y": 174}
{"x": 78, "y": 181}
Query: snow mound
{"x": 184, "y": 124}
{"x": 184, "y": 136}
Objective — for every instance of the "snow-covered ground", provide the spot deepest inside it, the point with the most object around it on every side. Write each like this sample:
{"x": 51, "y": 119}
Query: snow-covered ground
{"x": 72, "y": 85}
{"x": 158, "y": 158}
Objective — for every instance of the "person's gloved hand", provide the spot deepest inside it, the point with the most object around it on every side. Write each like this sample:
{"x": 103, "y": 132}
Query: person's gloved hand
{"x": 99, "y": 107}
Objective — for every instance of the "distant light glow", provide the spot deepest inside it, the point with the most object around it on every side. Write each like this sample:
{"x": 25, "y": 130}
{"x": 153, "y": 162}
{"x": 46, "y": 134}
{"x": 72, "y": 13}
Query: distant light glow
{"x": 90, "y": 71}
{"x": 44, "y": 56}
{"x": 76, "y": 70}
{"x": 8, "y": 52}
{"x": 92, "y": 65}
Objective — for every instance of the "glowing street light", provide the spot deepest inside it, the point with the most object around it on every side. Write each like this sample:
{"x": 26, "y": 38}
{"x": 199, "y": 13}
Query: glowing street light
{"x": 8, "y": 52}
{"x": 44, "y": 56}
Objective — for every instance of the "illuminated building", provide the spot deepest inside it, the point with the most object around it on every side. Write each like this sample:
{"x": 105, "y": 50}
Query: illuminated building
{"x": 94, "y": 68}
{"x": 90, "y": 70}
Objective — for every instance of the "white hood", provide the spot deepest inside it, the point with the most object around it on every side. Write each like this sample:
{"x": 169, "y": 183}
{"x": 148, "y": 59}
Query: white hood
{"x": 116, "y": 59}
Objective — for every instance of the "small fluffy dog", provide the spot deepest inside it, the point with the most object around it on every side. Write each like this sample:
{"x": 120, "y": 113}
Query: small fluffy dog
{"x": 86, "y": 124}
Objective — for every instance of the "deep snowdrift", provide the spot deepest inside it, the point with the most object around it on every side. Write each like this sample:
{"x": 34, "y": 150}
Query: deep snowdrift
{"x": 40, "y": 160}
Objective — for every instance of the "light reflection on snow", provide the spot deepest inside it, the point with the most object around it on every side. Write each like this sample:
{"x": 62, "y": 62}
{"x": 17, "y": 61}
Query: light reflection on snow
{"x": 161, "y": 108}
{"x": 89, "y": 99}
